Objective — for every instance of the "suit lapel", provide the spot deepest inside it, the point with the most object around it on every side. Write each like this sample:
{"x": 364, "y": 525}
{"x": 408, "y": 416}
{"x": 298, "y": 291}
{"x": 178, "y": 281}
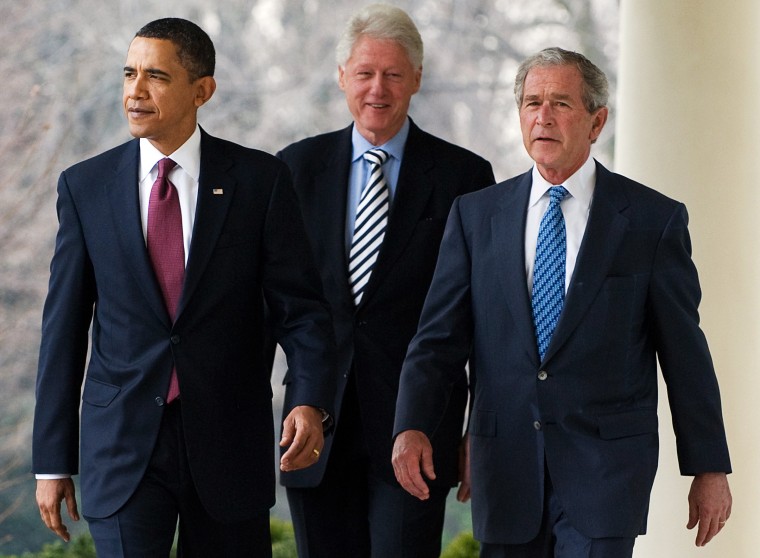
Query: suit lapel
{"x": 508, "y": 233}
{"x": 334, "y": 199}
{"x": 604, "y": 232}
{"x": 413, "y": 191}
{"x": 216, "y": 190}
{"x": 123, "y": 194}
{"x": 328, "y": 196}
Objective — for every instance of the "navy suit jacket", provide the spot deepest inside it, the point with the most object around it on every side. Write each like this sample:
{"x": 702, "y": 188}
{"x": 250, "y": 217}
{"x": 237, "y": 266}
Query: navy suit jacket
{"x": 248, "y": 245}
{"x": 588, "y": 411}
{"x": 373, "y": 338}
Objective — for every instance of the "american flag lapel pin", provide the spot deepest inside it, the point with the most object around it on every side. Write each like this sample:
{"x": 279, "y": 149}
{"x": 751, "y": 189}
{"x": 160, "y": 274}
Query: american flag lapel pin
{"x": 218, "y": 191}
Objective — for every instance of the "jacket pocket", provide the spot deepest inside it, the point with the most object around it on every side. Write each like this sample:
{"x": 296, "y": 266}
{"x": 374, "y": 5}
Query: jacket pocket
{"x": 633, "y": 422}
{"x": 483, "y": 423}
{"x": 99, "y": 393}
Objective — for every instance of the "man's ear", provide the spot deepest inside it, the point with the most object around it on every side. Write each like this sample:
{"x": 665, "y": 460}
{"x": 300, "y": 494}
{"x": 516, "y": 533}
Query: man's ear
{"x": 205, "y": 88}
{"x": 597, "y": 124}
{"x": 417, "y": 79}
{"x": 342, "y": 78}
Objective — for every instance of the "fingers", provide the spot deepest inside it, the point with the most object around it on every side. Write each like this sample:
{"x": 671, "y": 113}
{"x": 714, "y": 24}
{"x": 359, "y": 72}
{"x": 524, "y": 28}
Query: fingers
{"x": 304, "y": 451}
{"x": 693, "y": 517}
{"x": 288, "y": 432}
{"x": 302, "y": 431}
{"x": 707, "y": 530}
{"x": 463, "y": 493}
{"x": 412, "y": 457}
{"x": 71, "y": 507}
{"x": 50, "y": 493}
{"x": 427, "y": 463}
{"x": 709, "y": 506}
{"x": 409, "y": 477}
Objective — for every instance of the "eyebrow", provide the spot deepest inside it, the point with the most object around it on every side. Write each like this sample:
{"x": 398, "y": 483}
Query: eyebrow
{"x": 552, "y": 96}
{"x": 154, "y": 71}
{"x": 560, "y": 96}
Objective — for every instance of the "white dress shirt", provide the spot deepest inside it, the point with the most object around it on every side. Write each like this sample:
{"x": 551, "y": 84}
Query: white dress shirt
{"x": 184, "y": 176}
{"x": 575, "y": 209}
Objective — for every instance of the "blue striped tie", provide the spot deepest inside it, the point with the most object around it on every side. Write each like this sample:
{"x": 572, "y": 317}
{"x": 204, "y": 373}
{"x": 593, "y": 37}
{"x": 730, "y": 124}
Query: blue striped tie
{"x": 370, "y": 224}
{"x": 549, "y": 270}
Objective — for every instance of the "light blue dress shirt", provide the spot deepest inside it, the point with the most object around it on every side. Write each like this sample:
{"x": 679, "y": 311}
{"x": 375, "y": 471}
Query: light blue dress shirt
{"x": 360, "y": 168}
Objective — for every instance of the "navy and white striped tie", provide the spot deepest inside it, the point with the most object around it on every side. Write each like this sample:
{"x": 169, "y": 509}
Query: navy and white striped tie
{"x": 370, "y": 224}
{"x": 549, "y": 270}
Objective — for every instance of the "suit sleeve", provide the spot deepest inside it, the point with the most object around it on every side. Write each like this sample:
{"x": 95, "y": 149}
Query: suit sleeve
{"x": 269, "y": 344}
{"x": 297, "y": 311}
{"x": 438, "y": 352}
{"x": 683, "y": 353}
{"x": 63, "y": 349}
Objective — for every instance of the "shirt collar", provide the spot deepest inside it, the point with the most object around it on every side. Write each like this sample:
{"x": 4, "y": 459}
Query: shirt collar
{"x": 580, "y": 184}
{"x": 187, "y": 156}
{"x": 394, "y": 146}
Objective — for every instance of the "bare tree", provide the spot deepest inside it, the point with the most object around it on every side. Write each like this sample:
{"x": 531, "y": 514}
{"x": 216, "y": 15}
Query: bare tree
{"x": 276, "y": 73}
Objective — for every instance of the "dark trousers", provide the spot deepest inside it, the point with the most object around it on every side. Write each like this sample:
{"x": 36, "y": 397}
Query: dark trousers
{"x": 354, "y": 513}
{"x": 557, "y": 538}
{"x": 145, "y": 526}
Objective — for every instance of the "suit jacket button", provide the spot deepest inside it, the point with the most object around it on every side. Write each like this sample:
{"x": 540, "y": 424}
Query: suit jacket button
{"x": 174, "y": 339}
{"x": 537, "y": 425}
{"x": 542, "y": 375}
{"x": 159, "y": 401}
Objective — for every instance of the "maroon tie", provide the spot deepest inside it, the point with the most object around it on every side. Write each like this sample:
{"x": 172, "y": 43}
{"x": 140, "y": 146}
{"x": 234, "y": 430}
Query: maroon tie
{"x": 166, "y": 247}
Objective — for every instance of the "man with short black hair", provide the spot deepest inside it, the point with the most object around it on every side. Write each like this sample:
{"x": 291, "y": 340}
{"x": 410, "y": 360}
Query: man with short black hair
{"x": 169, "y": 245}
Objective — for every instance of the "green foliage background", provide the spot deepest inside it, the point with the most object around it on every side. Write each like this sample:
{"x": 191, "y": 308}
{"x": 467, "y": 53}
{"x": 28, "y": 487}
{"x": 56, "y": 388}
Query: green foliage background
{"x": 283, "y": 546}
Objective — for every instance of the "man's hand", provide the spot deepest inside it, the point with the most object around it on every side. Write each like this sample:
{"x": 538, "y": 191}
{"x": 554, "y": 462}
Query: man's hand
{"x": 50, "y": 493}
{"x": 463, "y": 494}
{"x": 302, "y": 431}
{"x": 709, "y": 505}
{"x": 412, "y": 455}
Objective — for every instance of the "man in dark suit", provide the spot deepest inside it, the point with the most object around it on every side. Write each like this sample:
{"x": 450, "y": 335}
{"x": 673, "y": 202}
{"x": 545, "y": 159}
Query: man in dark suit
{"x": 563, "y": 424}
{"x": 350, "y": 504}
{"x": 169, "y": 245}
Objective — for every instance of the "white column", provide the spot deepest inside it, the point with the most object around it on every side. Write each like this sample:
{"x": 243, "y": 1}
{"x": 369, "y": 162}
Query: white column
{"x": 688, "y": 125}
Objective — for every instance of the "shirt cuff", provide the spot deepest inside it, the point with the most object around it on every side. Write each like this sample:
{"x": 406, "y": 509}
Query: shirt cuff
{"x": 46, "y": 476}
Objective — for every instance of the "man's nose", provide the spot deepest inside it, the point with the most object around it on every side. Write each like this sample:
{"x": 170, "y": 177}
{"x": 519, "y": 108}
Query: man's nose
{"x": 545, "y": 115}
{"x": 377, "y": 85}
{"x": 135, "y": 88}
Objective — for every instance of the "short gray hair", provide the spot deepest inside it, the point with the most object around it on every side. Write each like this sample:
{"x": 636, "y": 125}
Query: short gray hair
{"x": 595, "y": 86}
{"x": 381, "y": 21}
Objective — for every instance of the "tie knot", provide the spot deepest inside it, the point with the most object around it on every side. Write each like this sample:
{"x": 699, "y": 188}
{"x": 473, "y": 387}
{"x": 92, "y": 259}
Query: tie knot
{"x": 557, "y": 194}
{"x": 165, "y": 166}
{"x": 376, "y": 157}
